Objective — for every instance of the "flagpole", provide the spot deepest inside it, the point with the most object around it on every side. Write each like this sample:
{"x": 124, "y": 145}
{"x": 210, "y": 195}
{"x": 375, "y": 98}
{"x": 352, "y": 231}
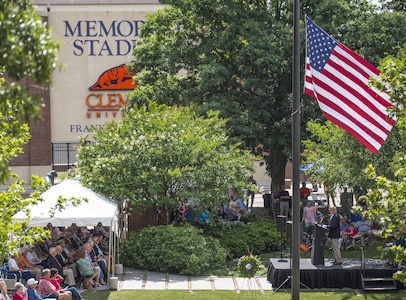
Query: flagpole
{"x": 295, "y": 239}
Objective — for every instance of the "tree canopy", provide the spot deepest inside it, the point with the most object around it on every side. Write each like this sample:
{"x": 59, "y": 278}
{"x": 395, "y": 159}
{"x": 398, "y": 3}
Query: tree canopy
{"x": 338, "y": 156}
{"x": 161, "y": 156}
{"x": 27, "y": 52}
{"x": 236, "y": 57}
{"x": 387, "y": 201}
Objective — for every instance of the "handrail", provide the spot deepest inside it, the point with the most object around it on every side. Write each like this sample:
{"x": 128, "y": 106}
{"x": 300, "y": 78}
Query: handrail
{"x": 362, "y": 262}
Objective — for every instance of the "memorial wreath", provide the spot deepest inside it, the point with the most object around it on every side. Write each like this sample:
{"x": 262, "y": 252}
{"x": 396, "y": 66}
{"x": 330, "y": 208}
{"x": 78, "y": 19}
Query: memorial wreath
{"x": 248, "y": 265}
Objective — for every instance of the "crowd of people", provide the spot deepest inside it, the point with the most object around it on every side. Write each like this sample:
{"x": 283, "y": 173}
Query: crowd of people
{"x": 57, "y": 267}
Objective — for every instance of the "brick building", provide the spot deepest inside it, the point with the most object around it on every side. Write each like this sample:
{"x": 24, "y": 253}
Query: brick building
{"x": 97, "y": 38}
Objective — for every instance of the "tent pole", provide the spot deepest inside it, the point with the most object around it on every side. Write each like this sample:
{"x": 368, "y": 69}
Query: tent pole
{"x": 111, "y": 249}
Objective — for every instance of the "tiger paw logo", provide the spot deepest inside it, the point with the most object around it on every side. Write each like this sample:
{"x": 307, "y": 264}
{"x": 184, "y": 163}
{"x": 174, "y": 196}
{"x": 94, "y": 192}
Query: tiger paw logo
{"x": 116, "y": 78}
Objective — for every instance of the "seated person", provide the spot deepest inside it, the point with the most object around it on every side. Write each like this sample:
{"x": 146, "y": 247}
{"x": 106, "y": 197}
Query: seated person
{"x": 320, "y": 216}
{"x": 204, "y": 216}
{"x": 97, "y": 255}
{"x": 241, "y": 204}
{"x": 344, "y": 225}
{"x": 364, "y": 227}
{"x": 32, "y": 293}
{"x": 13, "y": 267}
{"x": 53, "y": 262}
{"x": 25, "y": 264}
{"x": 3, "y": 289}
{"x": 56, "y": 280}
{"x": 93, "y": 258}
{"x": 236, "y": 209}
{"x": 41, "y": 250}
{"x": 33, "y": 258}
{"x": 100, "y": 229}
{"x": 355, "y": 216}
{"x": 72, "y": 239}
{"x": 19, "y": 292}
{"x": 88, "y": 269}
{"x": 48, "y": 290}
{"x": 190, "y": 209}
{"x": 64, "y": 260}
{"x": 55, "y": 232}
{"x": 352, "y": 234}
{"x": 70, "y": 253}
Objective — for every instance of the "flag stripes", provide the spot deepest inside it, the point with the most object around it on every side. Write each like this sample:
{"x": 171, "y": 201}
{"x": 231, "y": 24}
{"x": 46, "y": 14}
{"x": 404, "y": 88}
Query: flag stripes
{"x": 338, "y": 79}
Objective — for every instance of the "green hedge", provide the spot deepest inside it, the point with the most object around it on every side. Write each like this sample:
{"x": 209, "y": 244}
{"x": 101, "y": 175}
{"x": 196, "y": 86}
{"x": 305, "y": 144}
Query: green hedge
{"x": 193, "y": 249}
{"x": 181, "y": 249}
{"x": 259, "y": 236}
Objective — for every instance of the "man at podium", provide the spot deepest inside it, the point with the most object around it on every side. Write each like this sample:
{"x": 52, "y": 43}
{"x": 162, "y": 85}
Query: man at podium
{"x": 334, "y": 235}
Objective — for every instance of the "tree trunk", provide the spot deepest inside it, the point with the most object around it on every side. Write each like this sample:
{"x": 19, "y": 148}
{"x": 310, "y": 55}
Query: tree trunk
{"x": 275, "y": 165}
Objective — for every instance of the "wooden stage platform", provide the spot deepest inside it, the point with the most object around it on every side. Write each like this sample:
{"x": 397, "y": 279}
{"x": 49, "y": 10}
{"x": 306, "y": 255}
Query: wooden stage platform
{"x": 347, "y": 275}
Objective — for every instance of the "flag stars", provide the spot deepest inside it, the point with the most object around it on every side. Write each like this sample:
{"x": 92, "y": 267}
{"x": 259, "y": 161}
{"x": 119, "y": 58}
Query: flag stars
{"x": 319, "y": 46}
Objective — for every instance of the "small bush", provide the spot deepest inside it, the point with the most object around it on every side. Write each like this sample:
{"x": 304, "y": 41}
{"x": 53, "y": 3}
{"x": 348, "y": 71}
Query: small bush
{"x": 180, "y": 249}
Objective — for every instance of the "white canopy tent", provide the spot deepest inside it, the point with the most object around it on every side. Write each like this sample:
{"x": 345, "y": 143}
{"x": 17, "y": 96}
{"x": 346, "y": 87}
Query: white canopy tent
{"x": 97, "y": 208}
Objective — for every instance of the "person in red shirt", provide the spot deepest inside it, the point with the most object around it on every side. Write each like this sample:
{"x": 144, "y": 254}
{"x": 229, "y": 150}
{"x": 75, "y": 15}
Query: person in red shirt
{"x": 48, "y": 290}
{"x": 19, "y": 292}
{"x": 351, "y": 234}
{"x": 56, "y": 280}
{"x": 304, "y": 194}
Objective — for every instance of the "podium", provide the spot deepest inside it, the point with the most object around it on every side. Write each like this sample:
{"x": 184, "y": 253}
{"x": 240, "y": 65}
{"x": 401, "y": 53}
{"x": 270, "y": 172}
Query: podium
{"x": 319, "y": 234}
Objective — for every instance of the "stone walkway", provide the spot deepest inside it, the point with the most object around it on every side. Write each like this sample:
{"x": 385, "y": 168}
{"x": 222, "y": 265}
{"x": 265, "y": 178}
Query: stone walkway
{"x": 134, "y": 279}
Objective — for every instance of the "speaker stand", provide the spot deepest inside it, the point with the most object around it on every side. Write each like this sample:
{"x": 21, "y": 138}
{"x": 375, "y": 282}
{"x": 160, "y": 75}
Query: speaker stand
{"x": 281, "y": 247}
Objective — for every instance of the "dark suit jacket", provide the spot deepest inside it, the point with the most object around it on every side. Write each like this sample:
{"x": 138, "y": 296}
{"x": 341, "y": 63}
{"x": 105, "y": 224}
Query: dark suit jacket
{"x": 53, "y": 263}
{"x": 334, "y": 227}
{"x": 61, "y": 259}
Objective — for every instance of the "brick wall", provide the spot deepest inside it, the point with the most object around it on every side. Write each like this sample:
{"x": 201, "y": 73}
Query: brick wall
{"x": 137, "y": 220}
{"x": 38, "y": 151}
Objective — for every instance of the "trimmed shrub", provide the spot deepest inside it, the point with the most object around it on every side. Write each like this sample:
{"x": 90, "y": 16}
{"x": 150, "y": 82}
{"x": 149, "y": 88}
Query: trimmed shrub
{"x": 258, "y": 236}
{"x": 181, "y": 249}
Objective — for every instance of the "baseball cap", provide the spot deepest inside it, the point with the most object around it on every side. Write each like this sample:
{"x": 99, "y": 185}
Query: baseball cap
{"x": 31, "y": 281}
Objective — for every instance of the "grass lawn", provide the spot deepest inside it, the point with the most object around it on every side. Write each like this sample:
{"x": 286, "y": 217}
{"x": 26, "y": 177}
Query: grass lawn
{"x": 370, "y": 252}
{"x": 244, "y": 295}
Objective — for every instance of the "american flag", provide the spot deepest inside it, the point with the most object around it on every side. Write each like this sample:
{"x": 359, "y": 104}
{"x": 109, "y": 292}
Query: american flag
{"x": 338, "y": 79}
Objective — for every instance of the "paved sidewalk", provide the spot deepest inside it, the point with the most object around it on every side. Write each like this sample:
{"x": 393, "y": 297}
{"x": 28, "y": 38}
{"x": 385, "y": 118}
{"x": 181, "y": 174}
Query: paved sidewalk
{"x": 134, "y": 279}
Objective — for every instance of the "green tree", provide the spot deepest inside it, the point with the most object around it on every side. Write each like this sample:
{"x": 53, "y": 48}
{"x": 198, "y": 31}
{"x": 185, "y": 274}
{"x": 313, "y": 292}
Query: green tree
{"x": 387, "y": 202}
{"x": 398, "y": 5}
{"x": 234, "y": 57}
{"x": 27, "y": 52}
{"x": 226, "y": 56}
{"x": 160, "y": 156}
{"x": 340, "y": 157}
